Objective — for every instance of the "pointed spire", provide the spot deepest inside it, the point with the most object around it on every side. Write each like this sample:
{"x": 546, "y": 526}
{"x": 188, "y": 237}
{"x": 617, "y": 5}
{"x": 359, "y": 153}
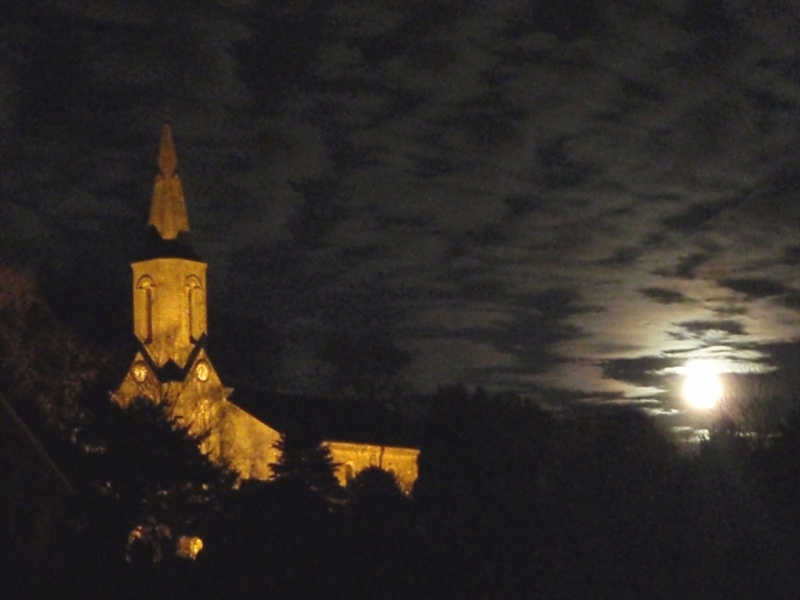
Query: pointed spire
{"x": 168, "y": 209}
{"x": 167, "y": 159}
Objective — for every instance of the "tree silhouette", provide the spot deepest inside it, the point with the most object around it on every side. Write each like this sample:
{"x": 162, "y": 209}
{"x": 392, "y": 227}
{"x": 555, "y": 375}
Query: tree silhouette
{"x": 305, "y": 462}
{"x": 147, "y": 481}
{"x": 45, "y": 367}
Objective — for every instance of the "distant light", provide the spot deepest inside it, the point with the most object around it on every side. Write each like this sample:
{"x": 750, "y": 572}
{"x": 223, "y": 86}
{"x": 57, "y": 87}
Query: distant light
{"x": 702, "y": 387}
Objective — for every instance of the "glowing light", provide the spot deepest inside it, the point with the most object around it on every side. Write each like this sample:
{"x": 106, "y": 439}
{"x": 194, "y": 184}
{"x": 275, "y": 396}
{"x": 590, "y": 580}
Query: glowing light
{"x": 139, "y": 372}
{"x": 188, "y": 546}
{"x": 202, "y": 370}
{"x": 702, "y": 388}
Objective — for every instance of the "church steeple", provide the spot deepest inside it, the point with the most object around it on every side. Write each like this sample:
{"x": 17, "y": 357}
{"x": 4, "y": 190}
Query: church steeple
{"x": 168, "y": 209}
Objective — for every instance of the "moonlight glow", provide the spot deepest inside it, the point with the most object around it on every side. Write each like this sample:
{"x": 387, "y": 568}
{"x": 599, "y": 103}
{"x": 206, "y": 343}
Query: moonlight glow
{"x": 702, "y": 387}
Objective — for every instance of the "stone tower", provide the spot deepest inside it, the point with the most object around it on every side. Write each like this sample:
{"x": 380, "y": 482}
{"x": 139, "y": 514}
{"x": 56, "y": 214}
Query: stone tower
{"x": 169, "y": 320}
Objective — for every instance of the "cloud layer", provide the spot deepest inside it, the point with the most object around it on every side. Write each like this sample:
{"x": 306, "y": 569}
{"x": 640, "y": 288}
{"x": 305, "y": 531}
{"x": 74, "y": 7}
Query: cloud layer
{"x": 562, "y": 198}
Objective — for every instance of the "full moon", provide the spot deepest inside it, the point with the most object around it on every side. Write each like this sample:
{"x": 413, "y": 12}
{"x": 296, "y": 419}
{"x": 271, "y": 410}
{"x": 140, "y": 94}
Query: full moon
{"x": 702, "y": 387}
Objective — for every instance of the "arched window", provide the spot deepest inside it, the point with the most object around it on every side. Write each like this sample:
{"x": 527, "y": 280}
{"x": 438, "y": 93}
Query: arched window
{"x": 197, "y": 306}
{"x": 145, "y": 295}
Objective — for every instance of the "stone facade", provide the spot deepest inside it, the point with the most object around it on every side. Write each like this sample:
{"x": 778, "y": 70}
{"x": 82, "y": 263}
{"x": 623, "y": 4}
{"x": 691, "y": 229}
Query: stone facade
{"x": 352, "y": 458}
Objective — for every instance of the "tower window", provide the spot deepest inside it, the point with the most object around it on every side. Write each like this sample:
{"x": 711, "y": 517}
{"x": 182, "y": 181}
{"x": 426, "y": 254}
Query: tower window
{"x": 197, "y": 311}
{"x": 145, "y": 296}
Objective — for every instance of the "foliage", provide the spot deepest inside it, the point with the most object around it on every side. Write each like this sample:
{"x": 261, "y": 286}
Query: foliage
{"x": 511, "y": 502}
{"x": 306, "y": 462}
{"x": 145, "y": 473}
{"x": 45, "y": 366}
{"x": 374, "y": 486}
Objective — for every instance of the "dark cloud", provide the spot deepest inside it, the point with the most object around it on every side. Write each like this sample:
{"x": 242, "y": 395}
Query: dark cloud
{"x": 708, "y": 332}
{"x": 757, "y": 287}
{"x": 645, "y": 371}
{"x": 790, "y": 256}
{"x": 319, "y": 212}
{"x": 790, "y": 300}
{"x": 639, "y": 93}
{"x": 568, "y": 20}
{"x": 355, "y": 254}
{"x": 558, "y": 170}
{"x": 664, "y": 296}
{"x": 687, "y": 265}
{"x": 518, "y": 194}
{"x": 520, "y": 205}
{"x": 697, "y": 217}
{"x": 625, "y": 255}
{"x": 728, "y": 326}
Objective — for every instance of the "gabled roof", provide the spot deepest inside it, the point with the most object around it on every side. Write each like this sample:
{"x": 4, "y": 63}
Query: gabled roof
{"x": 170, "y": 370}
{"x": 330, "y": 419}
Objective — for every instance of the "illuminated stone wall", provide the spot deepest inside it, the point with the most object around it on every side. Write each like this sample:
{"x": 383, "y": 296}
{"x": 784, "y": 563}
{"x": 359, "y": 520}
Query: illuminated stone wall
{"x": 169, "y": 307}
{"x": 199, "y": 401}
{"x": 353, "y": 458}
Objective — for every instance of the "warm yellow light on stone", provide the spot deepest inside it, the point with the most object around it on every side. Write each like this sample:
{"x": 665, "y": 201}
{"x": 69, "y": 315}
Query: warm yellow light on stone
{"x": 173, "y": 368}
{"x": 201, "y": 370}
{"x": 169, "y": 308}
{"x": 353, "y": 458}
{"x": 139, "y": 372}
{"x": 168, "y": 209}
{"x": 188, "y": 546}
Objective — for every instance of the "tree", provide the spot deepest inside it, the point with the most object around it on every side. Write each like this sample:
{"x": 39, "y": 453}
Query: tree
{"x": 148, "y": 482}
{"x": 45, "y": 366}
{"x": 305, "y": 462}
{"x": 375, "y": 486}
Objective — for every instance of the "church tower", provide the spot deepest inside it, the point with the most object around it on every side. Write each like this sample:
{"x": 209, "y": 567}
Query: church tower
{"x": 169, "y": 303}
{"x": 169, "y": 311}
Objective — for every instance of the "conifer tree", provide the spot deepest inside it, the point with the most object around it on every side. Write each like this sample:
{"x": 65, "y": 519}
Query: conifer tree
{"x": 306, "y": 462}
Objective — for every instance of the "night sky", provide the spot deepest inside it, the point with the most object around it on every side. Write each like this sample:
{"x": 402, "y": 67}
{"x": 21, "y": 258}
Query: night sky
{"x": 568, "y": 199}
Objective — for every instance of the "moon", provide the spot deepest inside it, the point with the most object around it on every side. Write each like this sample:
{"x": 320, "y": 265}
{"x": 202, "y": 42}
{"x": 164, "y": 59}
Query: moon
{"x": 702, "y": 388}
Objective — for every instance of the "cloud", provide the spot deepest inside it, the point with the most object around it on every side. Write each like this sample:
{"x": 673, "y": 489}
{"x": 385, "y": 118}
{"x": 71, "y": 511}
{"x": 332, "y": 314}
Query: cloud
{"x": 646, "y": 371}
{"x": 708, "y": 332}
{"x": 533, "y": 195}
{"x": 664, "y": 296}
{"x": 696, "y": 217}
{"x": 756, "y": 287}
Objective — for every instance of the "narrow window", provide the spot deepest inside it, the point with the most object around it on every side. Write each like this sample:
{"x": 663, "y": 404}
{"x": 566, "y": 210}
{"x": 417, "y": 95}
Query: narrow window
{"x": 145, "y": 295}
{"x": 196, "y": 308}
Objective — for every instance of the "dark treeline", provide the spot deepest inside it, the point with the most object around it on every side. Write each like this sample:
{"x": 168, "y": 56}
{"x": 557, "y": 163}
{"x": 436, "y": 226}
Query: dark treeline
{"x": 512, "y": 501}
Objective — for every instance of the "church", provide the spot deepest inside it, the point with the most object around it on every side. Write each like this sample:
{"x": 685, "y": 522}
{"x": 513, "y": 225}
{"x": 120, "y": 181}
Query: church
{"x": 172, "y": 364}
